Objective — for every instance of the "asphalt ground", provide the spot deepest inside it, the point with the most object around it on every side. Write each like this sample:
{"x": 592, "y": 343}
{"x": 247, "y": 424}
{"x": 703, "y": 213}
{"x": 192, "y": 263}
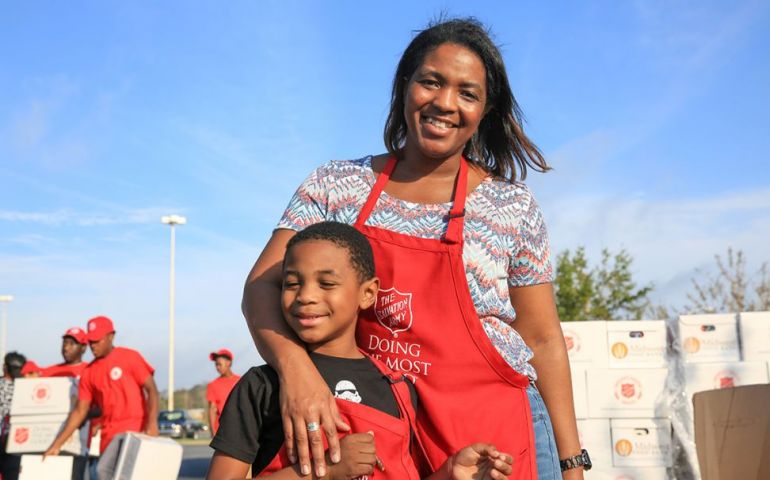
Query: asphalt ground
{"x": 195, "y": 459}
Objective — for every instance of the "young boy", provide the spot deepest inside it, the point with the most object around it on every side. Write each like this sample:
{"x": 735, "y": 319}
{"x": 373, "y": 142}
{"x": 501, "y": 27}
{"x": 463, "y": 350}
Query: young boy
{"x": 328, "y": 277}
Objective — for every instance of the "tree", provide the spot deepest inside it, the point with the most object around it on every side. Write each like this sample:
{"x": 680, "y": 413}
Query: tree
{"x": 731, "y": 289}
{"x": 605, "y": 292}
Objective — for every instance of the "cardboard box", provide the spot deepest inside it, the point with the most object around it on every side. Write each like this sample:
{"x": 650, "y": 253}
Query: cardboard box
{"x": 627, "y": 393}
{"x": 637, "y": 344}
{"x": 755, "y": 336}
{"x": 641, "y": 442}
{"x": 135, "y": 456}
{"x": 700, "y": 377}
{"x": 732, "y": 433}
{"x": 35, "y": 433}
{"x": 638, "y": 473}
{"x": 586, "y": 342}
{"x": 53, "y": 468}
{"x": 709, "y": 338}
{"x": 579, "y": 392}
{"x": 594, "y": 435}
{"x": 43, "y": 396}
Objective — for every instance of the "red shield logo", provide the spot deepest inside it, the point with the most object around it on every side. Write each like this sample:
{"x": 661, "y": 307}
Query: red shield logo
{"x": 726, "y": 382}
{"x": 21, "y": 435}
{"x": 41, "y": 393}
{"x": 726, "y": 379}
{"x": 569, "y": 341}
{"x": 394, "y": 310}
{"x": 628, "y": 390}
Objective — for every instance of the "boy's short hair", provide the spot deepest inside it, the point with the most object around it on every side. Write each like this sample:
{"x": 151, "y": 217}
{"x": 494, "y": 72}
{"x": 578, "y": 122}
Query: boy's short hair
{"x": 345, "y": 236}
{"x": 14, "y": 362}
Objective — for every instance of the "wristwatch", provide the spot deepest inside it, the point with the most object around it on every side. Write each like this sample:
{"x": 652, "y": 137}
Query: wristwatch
{"x": 582, "y": 460}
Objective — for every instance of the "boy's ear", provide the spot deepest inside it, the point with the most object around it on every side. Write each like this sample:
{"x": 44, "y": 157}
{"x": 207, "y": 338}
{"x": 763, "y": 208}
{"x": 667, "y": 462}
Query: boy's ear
{"x": 369, "y": 291}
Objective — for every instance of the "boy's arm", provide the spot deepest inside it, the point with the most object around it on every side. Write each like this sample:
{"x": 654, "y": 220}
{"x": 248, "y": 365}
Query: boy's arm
{"x": 358, "y": 459}
{"x": 73, "y": 422}
{"x": 151, "y": 390}
{"x": 478, "y": 461}
{"x": 212, "y": 415}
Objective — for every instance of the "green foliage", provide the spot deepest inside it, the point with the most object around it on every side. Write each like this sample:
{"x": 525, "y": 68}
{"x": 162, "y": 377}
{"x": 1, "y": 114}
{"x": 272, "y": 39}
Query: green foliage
{"x": 604, "y": 292}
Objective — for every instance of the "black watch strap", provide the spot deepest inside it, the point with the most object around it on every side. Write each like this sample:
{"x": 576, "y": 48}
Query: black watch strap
{"x": 582, "y": 460}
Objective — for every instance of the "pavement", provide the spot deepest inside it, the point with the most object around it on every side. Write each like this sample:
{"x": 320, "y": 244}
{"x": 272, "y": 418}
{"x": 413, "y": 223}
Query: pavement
{"x": 195, "y": 459}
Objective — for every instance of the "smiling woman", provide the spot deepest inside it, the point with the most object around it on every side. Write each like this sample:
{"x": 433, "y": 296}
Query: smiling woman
{"x": 465, "y": 306}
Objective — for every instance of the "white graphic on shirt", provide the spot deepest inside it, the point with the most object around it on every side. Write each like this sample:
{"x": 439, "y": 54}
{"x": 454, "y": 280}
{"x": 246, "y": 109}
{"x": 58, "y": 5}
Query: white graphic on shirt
{"x": 346, "y": 390}
{"x": 393, "y": 310}
{"x": 116, "y": 373}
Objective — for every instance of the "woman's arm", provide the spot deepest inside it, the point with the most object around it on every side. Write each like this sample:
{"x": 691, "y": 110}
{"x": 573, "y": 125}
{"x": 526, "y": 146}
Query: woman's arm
{"x": 537, "y": 321}
{"x": 305, "y": 397}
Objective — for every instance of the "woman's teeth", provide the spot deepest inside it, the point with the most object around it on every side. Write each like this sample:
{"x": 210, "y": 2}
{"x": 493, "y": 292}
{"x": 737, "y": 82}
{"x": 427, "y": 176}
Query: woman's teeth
{"x": 438, "y": 123}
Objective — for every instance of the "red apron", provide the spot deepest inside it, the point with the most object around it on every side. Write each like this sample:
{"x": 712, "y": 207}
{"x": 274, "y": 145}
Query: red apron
{"x": 391, "y": 435}
{"x": 424, "y": 324}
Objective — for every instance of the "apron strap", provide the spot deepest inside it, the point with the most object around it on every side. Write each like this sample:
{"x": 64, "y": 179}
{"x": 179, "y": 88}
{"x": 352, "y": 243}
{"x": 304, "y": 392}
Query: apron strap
{"x": 454, "y": 233}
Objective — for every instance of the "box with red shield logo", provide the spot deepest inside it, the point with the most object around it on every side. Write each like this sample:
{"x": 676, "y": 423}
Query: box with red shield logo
{"x": 43, "y": 396}
{"x": 627, "y": 393}
{"x": 35, "y": 433}
{"x": 586, "y": 342}
{"x": 714, "y": 376}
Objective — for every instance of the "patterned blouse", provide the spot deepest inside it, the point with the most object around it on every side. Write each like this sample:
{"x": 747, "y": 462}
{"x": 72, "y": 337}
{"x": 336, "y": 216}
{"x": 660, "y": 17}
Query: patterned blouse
{"x": 506, "y": 243}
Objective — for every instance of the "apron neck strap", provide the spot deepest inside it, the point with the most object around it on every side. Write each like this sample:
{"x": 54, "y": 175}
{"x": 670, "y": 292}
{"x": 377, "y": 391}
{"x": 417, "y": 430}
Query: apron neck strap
{"x": 454, "y": 232}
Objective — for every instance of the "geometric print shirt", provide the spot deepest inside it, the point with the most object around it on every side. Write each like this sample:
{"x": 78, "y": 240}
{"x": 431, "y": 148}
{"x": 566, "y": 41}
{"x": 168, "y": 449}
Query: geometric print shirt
{"x": 506, "y": 243}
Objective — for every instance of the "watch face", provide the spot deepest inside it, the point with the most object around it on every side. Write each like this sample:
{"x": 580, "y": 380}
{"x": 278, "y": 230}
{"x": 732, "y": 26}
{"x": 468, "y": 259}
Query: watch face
{"x": 586, "y": 460}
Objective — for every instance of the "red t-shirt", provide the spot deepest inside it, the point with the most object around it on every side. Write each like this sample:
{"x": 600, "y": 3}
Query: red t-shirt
{"x": 114, "y": 383}
{"x": 217, "y": 392}
{"x": 64, "y": 370}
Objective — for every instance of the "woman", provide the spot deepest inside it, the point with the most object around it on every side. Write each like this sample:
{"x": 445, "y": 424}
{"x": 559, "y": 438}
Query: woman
{"x": 461, "y": 251}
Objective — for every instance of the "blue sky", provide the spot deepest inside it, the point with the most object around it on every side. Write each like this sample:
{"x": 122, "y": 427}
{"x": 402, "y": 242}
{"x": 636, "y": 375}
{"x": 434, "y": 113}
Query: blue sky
{"x": 654, "y": 115}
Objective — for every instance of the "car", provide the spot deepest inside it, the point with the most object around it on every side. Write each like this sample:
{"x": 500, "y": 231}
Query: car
{"x": 179, "y": 423}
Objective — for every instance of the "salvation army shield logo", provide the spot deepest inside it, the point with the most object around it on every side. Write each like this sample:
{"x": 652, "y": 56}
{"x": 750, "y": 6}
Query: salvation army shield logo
{"x": 393, "y": 310}
{"x": 628, "y": 390}
{"x": 572, "y": 340}
{"x": 41, "y": 393}
{"x": 21, "y": 435}
{"x": 726, "y": 379}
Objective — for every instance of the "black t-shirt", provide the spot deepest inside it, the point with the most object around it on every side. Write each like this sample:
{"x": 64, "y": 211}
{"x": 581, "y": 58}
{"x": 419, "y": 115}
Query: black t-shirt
{"x": 250, "y": 427}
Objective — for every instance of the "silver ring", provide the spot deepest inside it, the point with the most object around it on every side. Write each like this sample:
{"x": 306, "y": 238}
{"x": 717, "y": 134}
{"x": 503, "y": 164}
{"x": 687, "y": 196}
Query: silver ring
{"x": 313, "y": 427}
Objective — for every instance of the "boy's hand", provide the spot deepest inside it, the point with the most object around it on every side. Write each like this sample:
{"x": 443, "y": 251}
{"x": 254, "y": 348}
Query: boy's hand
{"x": 481, "y": 461}
{"x": 358, "y": 457}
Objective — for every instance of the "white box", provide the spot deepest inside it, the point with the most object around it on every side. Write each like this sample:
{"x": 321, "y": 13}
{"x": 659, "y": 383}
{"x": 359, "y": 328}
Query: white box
{"x": 142, "y": 457}
{"x": 637, "y": 344}
{"x": 713, "y": 376}
{"x": 586, "y": 342}
{"x": 43, "y": 396}
{"x": 35, "y": 433}
{"x": 53, "y": 468}
{"x": 755, "y": 336}
{"x": 595, "y": 436}
{"x": 641, "y": 442}
{"x": 579, "y": 392}
{"x": 709, "y": 338}
{"x": 638, "y": 473}
{"x": 627, "y": 393}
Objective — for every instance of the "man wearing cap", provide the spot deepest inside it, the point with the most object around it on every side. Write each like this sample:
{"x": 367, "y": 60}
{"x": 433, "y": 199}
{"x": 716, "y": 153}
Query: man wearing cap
{"x": 73, "y": 347}
{"x": 218, "y": 390}
{"x": 117, "y": 380}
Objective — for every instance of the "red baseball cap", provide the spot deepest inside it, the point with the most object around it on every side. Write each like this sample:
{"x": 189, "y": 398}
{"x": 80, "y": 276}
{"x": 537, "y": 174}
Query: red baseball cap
{"x": 98, "y": 327}
{"x": 30, "y": 367}
{"x": 78, "y": 334}
{"x": 222, "y": 352}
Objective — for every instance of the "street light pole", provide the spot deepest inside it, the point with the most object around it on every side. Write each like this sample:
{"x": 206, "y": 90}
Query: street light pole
{"x": 5, "y": 300}
{"x": 171, "y": 220}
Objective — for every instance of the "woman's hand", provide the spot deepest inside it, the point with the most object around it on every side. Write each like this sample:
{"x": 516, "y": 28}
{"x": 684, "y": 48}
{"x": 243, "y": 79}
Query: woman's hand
{"x": 481, "y": 461}
{"x": 359, "y": 457}
{"x": 306, "y": 399}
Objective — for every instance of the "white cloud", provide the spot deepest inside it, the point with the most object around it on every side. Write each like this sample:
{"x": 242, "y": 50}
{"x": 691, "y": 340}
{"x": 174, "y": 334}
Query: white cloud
{"x": 67, "y": 217}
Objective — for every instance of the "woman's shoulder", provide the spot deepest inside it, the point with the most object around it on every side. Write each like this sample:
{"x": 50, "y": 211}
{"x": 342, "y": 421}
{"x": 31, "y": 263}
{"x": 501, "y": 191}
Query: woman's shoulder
{"x": 336, "y": 169}
{"x": 502, "y": 193}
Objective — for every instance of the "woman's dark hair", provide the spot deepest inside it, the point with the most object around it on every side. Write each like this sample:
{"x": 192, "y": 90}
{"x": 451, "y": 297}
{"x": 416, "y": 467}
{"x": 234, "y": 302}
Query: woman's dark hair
{"x": 499, "y": 145}
{"x": 345, "y": 236}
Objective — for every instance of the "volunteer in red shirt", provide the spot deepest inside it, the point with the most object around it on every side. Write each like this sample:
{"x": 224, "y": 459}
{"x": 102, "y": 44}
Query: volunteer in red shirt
{"x": 31, "y": 369}
{"x": 73, "y": 347}
{"x": 218, "y": 390}
{"x": 119, "y": 380}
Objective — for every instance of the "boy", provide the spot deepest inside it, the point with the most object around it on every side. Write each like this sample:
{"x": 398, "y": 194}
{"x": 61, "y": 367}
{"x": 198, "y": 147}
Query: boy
{"x": 73, "y": 347}
{"x": 219, "y": 389}
{"x": 328, "y": 277}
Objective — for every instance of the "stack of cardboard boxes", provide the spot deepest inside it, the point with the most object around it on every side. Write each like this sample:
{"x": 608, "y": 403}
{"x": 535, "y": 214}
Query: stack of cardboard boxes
{"x": 623, "y": 422}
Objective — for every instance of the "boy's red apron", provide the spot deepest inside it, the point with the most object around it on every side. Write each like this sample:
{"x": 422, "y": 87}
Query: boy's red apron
{"x": 391, "y": 435}
{"x": 424, "y": 323}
